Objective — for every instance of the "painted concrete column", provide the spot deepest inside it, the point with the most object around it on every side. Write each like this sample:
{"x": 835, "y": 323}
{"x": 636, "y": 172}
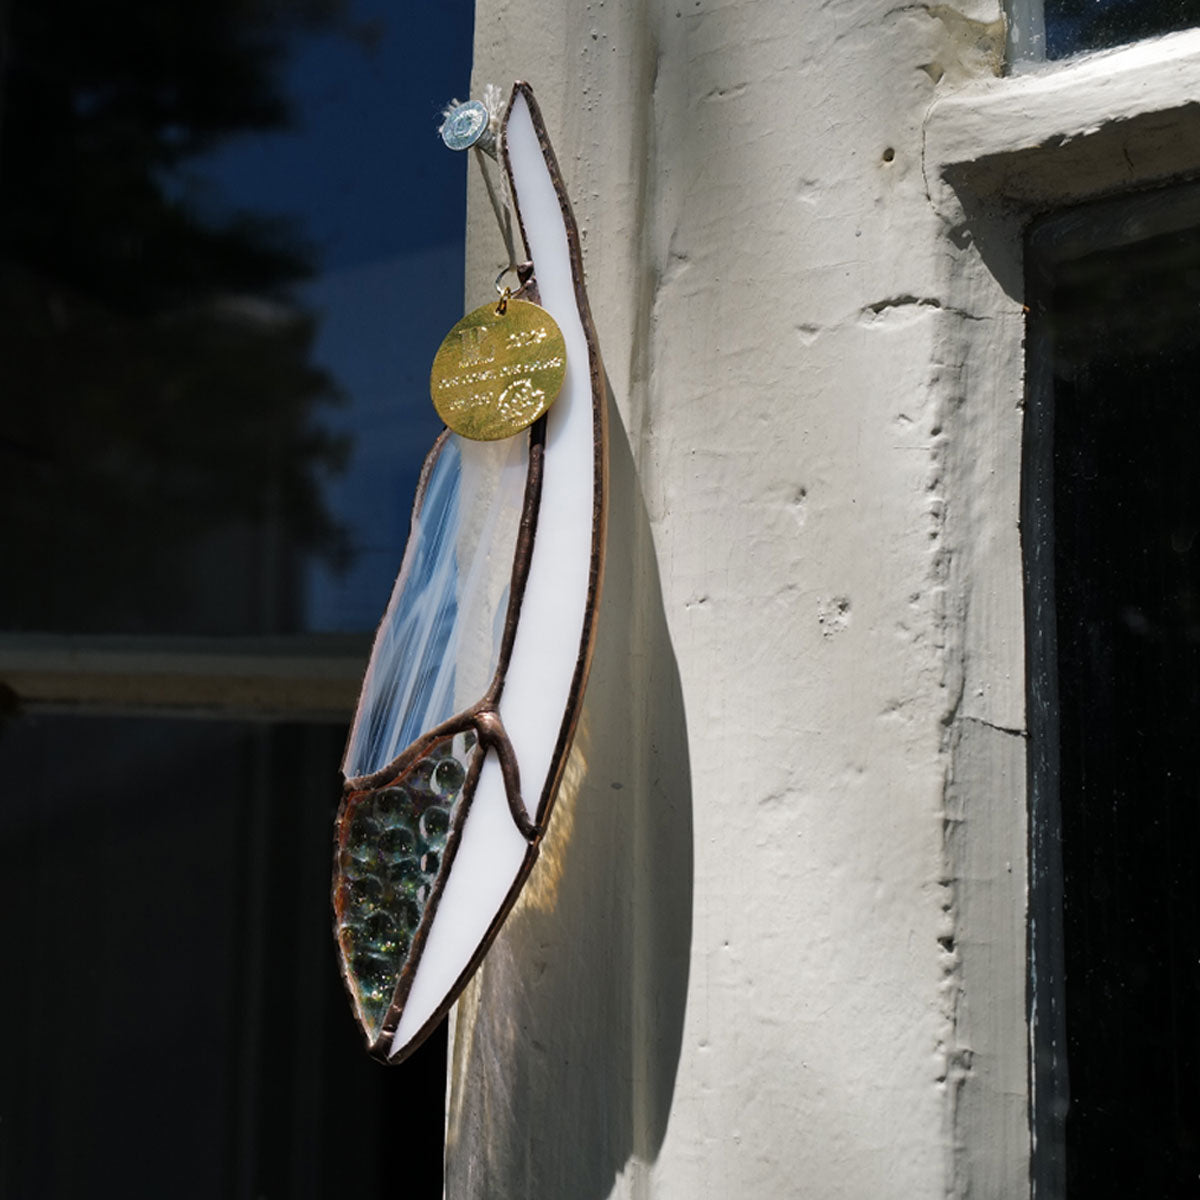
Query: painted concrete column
{"x": 738, "y": 971}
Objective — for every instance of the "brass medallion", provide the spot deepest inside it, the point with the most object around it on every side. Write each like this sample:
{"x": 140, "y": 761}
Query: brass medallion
{"x": 498, "y": 370}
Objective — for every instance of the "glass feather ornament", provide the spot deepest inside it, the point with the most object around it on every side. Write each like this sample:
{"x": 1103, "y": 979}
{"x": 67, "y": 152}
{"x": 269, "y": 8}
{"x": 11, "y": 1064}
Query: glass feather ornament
{"x": 476, "y": 678}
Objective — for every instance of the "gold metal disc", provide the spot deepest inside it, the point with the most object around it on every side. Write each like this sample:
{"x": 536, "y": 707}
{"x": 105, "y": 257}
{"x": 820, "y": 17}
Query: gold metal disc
{"x": 496, "y": 373}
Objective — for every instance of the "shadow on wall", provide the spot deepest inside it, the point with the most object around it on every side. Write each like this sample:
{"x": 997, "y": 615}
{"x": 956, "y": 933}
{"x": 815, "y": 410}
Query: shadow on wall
{"x": 567, "y": 1041}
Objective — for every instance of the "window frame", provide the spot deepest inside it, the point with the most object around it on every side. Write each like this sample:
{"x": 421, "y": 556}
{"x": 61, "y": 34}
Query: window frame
{"x": 312, "y": 677}
{"x": 998, "y": 153}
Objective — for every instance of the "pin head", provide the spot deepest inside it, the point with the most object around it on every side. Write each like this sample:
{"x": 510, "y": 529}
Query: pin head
{"x": 465, "y": 125}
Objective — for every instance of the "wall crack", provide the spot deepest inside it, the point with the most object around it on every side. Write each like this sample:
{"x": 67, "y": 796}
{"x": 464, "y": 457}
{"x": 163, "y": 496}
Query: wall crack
{"x": 1009, "y": 731}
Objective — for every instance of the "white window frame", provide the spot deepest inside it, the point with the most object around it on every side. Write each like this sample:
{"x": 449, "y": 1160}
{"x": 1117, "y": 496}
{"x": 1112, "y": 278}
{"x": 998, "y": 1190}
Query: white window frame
{"x": 998, "y": 153}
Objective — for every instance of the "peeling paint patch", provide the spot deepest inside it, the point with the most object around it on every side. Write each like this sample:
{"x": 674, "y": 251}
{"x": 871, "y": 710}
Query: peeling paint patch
{"x": 969, "y": 47}
{"x": 903, "y": 302}
{"x": 808, "y": 191}
{"x": 873, "y": 312}
{"x": 833, "y": 615}
{"x": 798, "y": 505}
{"x": 972, "y": 48}
{"x": 727, "y": 93}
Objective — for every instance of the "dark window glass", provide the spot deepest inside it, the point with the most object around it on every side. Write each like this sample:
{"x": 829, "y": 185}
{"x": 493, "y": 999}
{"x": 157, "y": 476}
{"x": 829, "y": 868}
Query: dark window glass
{"x": 175, "y": 1022}
{"x": 1074, "y": 25}
{"x": 230, "y": 242}
{"x": 1112, "y": 513}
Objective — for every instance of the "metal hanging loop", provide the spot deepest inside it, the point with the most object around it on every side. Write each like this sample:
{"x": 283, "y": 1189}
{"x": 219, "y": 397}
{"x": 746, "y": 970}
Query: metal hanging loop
{"x": 471, "y": 126}
{"x": 524, "y": 274}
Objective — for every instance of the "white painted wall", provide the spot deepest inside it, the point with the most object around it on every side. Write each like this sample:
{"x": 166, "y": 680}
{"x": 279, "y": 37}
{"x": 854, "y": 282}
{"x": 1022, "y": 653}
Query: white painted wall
{"x": 777, "y": 946}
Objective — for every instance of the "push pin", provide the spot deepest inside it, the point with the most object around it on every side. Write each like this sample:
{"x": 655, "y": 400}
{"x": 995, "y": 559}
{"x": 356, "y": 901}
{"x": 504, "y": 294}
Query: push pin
{"x": 469, "y": 125}
{"x": 473, "y": 126}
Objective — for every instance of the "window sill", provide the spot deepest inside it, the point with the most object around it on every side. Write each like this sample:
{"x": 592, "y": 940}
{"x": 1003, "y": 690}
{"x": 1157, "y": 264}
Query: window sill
{"x": 1112, "y": 121}
{"x": 307, "y": 677}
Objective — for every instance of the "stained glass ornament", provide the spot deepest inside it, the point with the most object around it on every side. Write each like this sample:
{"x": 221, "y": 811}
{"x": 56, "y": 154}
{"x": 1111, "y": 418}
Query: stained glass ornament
{"x": 476, "y": 679}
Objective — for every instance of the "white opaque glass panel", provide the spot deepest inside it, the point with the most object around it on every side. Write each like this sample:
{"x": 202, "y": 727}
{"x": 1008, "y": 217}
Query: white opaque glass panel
{"x": 546, "y": 649}
{"x": 436, "y": 646}
{"x": 489, "y": 858}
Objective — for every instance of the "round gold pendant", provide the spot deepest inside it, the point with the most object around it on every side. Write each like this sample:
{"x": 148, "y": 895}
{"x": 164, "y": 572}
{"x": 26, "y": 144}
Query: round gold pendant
{"x": 496, "y": 372}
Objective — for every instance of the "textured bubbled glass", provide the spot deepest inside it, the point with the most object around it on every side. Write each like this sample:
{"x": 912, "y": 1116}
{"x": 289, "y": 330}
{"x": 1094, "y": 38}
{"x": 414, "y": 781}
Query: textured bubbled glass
{"x": 392, "y": 852}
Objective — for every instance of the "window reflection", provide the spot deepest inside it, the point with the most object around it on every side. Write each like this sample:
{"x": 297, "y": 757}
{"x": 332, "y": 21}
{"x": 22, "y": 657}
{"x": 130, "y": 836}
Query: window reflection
{"x": 173, "y": 981}
{"x": 1074, "y": 25}
{"x": 229, "y": 240}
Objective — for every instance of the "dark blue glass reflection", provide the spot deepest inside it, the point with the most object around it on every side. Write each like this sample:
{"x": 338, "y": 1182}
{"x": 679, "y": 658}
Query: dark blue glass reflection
{"x": 1075, "y": 25}
{"x": 230, "y": 243}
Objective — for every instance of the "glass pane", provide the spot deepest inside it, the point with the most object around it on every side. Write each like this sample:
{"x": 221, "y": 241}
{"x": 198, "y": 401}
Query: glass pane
{"x": 1116, "y": 293}
{"x": 174, "y": 1021}
{"x": 439, "y": 642}
{"x": 230, "y": 242}
{"x": 1074, "y": 25}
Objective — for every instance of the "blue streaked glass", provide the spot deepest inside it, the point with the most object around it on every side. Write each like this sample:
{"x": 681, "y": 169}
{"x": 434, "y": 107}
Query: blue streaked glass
{"x": 437, "y": 644}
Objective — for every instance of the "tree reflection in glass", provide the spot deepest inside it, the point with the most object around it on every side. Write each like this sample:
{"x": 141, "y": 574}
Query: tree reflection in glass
{"x": 159, "y": 462}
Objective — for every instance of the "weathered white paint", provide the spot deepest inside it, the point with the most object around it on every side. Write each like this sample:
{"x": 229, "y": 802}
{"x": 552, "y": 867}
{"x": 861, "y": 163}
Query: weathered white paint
{"x": 776, "y": 947}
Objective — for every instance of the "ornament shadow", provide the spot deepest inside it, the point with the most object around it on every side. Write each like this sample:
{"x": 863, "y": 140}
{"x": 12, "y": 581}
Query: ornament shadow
{"x": 566, "y": 1044}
